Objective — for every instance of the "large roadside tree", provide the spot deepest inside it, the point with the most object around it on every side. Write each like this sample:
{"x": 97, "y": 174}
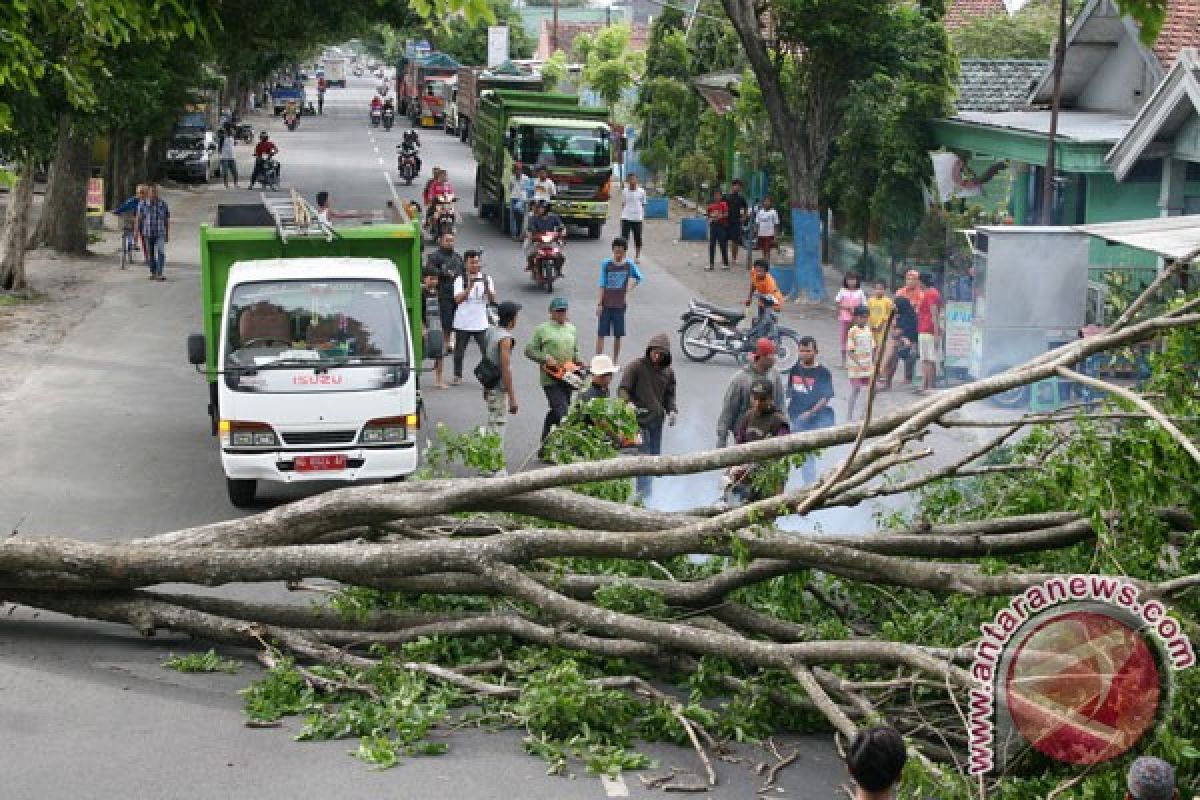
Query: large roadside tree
{"x": 810, "y": 58}
{"x": 53, "y": 55}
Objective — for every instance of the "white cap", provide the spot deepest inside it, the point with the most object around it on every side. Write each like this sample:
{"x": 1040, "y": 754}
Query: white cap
{"x": 602, "y": 365}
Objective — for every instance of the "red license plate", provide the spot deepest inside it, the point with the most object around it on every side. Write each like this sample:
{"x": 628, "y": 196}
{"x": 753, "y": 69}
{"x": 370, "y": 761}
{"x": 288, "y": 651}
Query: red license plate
{"x": 320, "y": 463}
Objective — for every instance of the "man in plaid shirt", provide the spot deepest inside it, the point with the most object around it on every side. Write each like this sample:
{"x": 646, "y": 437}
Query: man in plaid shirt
{"x": 154, "y": 224}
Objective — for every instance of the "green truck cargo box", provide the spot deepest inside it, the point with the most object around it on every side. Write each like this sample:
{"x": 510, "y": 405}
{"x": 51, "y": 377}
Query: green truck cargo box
{"x": 221, "y": 247}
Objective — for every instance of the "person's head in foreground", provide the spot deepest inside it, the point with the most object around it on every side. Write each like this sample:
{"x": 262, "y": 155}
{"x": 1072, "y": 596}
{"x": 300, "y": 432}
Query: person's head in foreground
{"x": 875, "y": 760}
{"x": 1150, "y": 778}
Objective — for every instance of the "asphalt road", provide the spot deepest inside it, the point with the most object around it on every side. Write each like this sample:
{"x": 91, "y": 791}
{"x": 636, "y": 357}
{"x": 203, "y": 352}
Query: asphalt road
{"x": 108, "y": 440}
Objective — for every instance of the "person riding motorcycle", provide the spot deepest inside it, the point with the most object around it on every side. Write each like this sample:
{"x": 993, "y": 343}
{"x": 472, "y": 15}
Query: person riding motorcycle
{"x": 543, "y": 221}
{"x": 412, "y": 137}
{"x": 290, "y": 113}
{"x": 262, "y": 151}
{"x": 408, "y": 149}
{"x": 438, "y": 186}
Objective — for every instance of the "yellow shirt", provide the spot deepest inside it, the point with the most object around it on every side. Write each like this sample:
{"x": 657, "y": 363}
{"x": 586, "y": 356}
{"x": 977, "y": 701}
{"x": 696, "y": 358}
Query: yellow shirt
{"x": 879, "y": 308}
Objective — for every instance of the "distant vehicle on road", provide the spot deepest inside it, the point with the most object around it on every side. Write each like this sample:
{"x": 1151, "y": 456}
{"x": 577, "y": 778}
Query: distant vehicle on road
{"x": 281, "y": 94}
{"x": 191, "y": 155}
{"x": 335, "y": 71}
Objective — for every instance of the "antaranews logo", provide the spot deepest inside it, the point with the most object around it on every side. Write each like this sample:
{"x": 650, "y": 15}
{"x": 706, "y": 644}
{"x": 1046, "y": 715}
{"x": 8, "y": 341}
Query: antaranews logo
{"x": 1078, "y": 667}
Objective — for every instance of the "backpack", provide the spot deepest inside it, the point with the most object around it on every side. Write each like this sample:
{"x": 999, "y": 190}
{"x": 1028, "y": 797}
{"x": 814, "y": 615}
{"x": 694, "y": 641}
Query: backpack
{"x": 487, "y": 372}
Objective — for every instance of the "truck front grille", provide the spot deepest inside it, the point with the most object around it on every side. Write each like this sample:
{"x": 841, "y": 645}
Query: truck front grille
{"x": 319, "y": 437}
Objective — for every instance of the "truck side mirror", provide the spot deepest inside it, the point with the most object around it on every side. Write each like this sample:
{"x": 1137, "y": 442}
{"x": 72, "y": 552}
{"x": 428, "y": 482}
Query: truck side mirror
{"x": 196, "y": 349}
{"x": 433, "y": 344}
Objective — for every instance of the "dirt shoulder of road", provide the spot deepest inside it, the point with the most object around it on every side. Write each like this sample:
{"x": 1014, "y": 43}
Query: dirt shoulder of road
{"x": 64, "y": 289}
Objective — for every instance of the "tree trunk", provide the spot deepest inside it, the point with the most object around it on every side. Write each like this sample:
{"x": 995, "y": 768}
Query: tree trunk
{"x": 63, "y": 225}
{"x": 16, "y": 225}
{"x": 1060, "y": 54}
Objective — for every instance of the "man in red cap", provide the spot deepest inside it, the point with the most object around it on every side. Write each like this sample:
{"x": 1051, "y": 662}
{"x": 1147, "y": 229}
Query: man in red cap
{"x": 737, "y": 395}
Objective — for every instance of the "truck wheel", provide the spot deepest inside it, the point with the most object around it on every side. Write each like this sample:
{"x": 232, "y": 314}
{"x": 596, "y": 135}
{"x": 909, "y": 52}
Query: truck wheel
{"x": 241, "y": 492}
{"x": 594, "y": 229}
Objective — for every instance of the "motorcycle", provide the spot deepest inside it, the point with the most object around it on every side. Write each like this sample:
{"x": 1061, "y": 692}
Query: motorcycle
{"x": 408, "y": 163}
{"x": 243, "y": 132}
{"x": 291, "y": 120}
{"x": 442, "y": 216}
{"x": 708, "y": 329}
{"x": 270, "y": 173}
{"x": 389, "y": 118}
{"x": 376, "y": 117}
{"x": 548, "y": 259}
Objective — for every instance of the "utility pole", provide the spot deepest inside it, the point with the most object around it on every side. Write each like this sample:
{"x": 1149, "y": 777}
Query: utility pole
{"x": 554, "y": 31}
{"x": 1060, "y": 55}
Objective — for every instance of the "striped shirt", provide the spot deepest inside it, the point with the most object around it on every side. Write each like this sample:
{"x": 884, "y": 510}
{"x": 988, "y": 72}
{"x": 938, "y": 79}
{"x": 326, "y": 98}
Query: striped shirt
{"x": 154, "y": 215}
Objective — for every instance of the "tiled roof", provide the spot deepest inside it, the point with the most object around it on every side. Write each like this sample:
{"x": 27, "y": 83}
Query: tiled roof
{"x": 961, "y": 12}
{"x": 1180, "y": 29}
{"x": 986, "y": 84}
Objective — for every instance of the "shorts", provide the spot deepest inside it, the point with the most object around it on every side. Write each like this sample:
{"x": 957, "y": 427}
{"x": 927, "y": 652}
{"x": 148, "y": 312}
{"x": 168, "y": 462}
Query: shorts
{"x": 632, "y": 227}
{"x": 766, "y": 244}
{"x": 446, "y": 314}
{"x": 612, "y": 322}
{"x": 860, "y": 383}
{"x": 927, "y": 347}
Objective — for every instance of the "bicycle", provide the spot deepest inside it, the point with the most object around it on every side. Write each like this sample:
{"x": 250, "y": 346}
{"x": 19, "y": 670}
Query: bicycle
{"x": 129, "y": 243}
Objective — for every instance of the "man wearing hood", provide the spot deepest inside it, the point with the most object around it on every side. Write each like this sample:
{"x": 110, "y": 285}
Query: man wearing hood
{"x": 737, "y": 396}
{"x": 649, "y": 385}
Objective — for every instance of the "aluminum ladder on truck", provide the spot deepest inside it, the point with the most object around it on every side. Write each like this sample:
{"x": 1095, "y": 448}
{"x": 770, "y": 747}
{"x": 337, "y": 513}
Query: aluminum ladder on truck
{"x": 294, "y": 216}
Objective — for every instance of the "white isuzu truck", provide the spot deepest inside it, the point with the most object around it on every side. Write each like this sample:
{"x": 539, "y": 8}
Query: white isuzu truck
{"x": 312, "y": 345}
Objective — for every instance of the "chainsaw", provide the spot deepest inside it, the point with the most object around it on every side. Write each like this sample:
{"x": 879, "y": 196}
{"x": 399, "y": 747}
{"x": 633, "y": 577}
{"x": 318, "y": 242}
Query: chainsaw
{"x": 568, "y": 372}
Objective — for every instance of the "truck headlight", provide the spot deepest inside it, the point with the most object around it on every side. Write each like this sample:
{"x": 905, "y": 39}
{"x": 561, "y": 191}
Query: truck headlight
{"x": 241, "y": 433}
{"x": 387, "y": 430}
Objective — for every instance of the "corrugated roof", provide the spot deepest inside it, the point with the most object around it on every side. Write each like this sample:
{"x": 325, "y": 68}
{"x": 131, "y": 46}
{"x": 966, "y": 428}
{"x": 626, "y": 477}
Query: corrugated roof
{"x": 988, "y": 84}
{"x": 961, "y": 12}
{"x": 1180, "y": 29}
{"x": 1169, "y": 237}
{"x": 1079, "y": 126}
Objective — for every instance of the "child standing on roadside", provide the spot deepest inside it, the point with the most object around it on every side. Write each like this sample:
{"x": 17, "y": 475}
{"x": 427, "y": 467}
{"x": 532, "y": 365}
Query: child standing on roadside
{"x": 879, "y": 306}
{"x": 860, "y": 356}
{"x": 848, "y": 298}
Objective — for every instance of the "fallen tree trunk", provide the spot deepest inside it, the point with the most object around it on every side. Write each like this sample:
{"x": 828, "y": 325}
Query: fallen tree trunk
{"x": 524, "y": 561}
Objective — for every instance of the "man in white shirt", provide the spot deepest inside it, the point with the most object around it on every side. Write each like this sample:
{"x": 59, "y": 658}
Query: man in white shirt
{"x": 473, "y": 292}
{"x": 766, "y": 222}
{"x": 633, "y": 214}
{"x": 544, "y": 188}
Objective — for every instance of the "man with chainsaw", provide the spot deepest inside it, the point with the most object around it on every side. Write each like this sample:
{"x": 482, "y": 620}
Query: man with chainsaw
{"x": 555, "y": 347}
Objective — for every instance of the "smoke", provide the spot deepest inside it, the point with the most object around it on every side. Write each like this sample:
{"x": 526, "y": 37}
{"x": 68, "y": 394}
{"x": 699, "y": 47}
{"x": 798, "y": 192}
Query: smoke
{"x": 683, "y": 492}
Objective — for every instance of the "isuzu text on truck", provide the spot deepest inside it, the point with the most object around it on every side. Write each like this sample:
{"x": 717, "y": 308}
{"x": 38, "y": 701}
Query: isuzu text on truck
{"x": 311, "y": 346}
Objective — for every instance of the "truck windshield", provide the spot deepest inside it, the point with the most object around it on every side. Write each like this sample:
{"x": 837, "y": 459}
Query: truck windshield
{"x": 354, "y": 321}
{"x": 563, "y": 147}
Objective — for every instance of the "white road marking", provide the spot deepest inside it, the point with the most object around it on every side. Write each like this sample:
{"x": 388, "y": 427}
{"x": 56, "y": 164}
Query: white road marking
{"x": 392, "y": 188}
{"x": 614, "y": 787}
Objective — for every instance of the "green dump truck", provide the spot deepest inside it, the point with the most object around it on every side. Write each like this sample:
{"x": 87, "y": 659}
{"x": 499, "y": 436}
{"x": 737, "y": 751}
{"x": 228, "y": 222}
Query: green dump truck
{"x": 544, "y": 129}
{"x": 312, "y": 345}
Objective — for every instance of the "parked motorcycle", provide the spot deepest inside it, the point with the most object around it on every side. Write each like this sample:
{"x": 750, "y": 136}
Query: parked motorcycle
{"x": 408, "y": 163}
{"x": 376, "y": 117}
{"x": 389, "y": 118}
{"x": 708, "y": 329}
{"x": 548, "y": 259}
{"x": 442, "y": 216}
